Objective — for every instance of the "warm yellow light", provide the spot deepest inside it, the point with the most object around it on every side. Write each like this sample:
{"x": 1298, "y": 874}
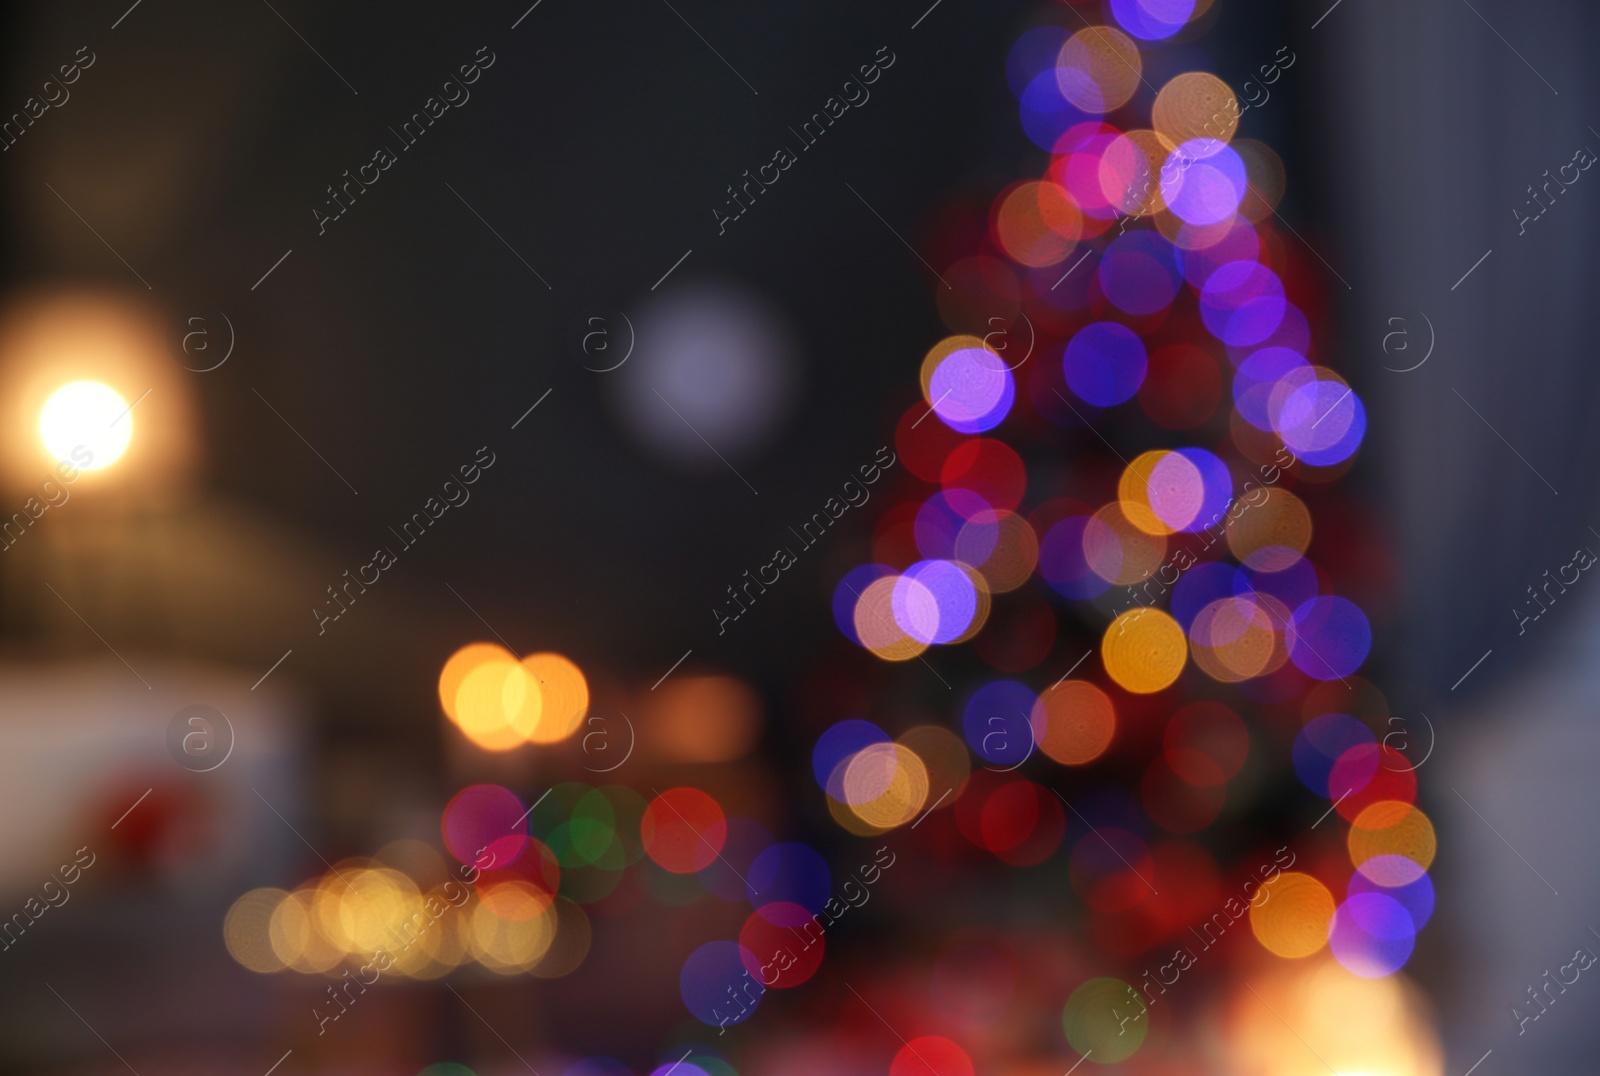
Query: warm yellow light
{"x": 461, "y": 663}
{"x": 1314, "y": 1017}
{"x": 86, "y": 424}
{"x": 498, "y": 705}
{"x": 246, "y": 930}
{"x": 1144, "y": 651}
{"x": 565, "y": 695}
{"x": 510, "y": 946}
{"x": 1293, "y": 920}
{"x": 885, "y": 785}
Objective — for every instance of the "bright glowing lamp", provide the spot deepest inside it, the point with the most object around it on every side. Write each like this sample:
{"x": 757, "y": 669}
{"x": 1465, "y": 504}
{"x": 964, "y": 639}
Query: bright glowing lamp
{"x": 84, "y": 368}
{"x": 86, "y": 415}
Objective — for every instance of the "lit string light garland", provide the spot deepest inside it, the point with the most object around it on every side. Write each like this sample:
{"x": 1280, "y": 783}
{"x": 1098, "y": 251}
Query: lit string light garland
{"x": 1202, "y": 579}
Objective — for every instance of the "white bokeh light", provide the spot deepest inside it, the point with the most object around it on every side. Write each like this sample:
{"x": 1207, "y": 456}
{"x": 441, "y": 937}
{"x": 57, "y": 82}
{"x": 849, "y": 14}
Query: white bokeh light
{"x": 87, "y": 414}
{"x": 714, "y": 375}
